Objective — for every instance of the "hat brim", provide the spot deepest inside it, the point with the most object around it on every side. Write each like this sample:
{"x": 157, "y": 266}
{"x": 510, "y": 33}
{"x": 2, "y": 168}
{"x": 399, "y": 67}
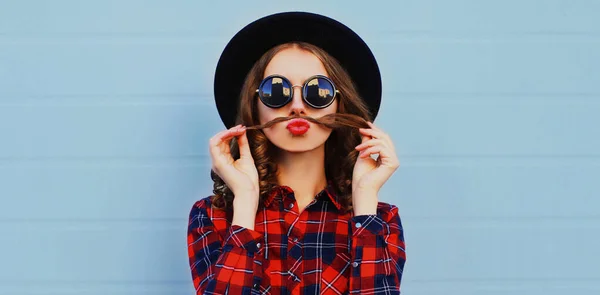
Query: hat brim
{"x": 250, "y": 43}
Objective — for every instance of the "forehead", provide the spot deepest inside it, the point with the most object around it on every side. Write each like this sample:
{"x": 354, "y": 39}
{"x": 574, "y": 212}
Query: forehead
{"x": 295, "y": 64}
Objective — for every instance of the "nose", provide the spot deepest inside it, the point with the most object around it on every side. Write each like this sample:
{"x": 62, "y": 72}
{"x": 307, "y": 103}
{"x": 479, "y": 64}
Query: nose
{"x": 297, "y": 106}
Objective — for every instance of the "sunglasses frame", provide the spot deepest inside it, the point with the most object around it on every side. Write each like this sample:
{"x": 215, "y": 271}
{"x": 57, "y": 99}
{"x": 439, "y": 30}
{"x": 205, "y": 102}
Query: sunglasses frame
{"x": 304, "y": 88}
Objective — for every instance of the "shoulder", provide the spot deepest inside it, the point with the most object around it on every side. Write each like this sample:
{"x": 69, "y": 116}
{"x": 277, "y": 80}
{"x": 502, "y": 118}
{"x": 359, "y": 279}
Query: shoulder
{"x": 386, "y": 207}
{"x": 201, "y": 207}
{"x": 387, "y": 211}
{"x": 203, "y": 211}
{"x": 203, "y": 204}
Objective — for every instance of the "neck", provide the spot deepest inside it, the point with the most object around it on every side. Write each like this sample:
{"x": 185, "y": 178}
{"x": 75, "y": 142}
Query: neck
{"x": 303, "y": 172}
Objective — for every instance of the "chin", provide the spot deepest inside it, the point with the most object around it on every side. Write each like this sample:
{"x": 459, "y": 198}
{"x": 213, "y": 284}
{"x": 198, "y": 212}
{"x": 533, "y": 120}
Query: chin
{"x": 297, "y": 149}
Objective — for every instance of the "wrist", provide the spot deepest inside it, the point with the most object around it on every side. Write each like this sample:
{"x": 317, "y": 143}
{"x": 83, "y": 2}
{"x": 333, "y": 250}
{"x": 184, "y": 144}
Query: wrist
{"x": 244, "y": 218}
{"x": 242, "y": 221}
{"x": 244, "y": 212}
{"x": 364, "y": 202}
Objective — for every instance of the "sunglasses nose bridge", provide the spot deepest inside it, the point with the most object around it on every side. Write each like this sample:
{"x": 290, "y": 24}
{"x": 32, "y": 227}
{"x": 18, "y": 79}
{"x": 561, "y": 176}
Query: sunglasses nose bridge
{"x": 297, "y": 103}
{"x": 299, "y": 92}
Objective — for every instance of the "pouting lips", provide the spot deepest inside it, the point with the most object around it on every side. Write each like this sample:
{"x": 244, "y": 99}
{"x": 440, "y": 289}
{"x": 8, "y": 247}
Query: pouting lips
{"x": 298, "y": 126}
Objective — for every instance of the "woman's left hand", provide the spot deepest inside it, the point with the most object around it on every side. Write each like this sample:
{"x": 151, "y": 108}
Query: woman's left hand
{"x": 369, "y": 174}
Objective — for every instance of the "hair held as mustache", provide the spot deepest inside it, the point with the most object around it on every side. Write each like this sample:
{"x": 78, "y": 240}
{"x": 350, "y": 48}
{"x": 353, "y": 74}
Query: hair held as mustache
{"x": 333, "y": 121}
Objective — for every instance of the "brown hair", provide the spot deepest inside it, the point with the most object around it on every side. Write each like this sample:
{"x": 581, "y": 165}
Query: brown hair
{"x": 340, "y": 155}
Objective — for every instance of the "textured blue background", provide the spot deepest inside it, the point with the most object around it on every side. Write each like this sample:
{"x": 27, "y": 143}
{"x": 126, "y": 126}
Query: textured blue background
{"x": 106, "y": 109}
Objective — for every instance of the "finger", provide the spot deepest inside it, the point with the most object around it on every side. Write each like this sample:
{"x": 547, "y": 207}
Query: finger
{"x": 227, "y": 135}
{"x": 369, "y": 151}
{"x": 373, "y": 126}
{"x": 243, "y": 145}
{"x": 386, "y": 157}
{"x": 215, "y": 144}
{"x": 364, "y": 138}
{"x": 377, "y": 134}
{"x": 369, "y": 143}
{"x": 225, "y": 143}
{"x": 219, "y": 144}
{"x": 217, "y": 138}
{"x": 221, "y": 149}
{"x": 237, "y": 131}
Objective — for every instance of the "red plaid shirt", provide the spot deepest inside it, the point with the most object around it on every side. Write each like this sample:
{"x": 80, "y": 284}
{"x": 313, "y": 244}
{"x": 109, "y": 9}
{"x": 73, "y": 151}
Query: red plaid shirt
{"x": 321, "y": 250}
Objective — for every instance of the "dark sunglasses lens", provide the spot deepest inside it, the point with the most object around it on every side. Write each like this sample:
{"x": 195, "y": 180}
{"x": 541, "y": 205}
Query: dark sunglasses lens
{"x": 275, "y": 92}
{"x": 319, "y": 92}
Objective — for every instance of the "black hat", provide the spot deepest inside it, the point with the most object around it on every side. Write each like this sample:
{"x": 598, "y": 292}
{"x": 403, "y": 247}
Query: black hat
{"x": 250, "y": 43}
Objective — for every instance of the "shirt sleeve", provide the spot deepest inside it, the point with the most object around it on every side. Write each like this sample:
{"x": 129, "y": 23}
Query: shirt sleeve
{"x": 222, "y": 265}
{"x": 377, "y": 252}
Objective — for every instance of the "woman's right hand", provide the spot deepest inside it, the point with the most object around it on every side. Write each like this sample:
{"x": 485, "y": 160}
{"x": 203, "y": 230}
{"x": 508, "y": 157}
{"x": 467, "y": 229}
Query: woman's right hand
{"x": 240, "y": 175}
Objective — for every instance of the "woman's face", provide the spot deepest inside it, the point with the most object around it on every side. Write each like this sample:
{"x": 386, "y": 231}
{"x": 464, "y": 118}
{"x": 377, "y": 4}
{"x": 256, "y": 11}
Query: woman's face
{"x": 296, "y": 65}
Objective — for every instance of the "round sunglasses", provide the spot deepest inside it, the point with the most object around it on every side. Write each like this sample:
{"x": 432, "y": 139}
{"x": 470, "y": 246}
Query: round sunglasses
{"x": 276, "y": 91}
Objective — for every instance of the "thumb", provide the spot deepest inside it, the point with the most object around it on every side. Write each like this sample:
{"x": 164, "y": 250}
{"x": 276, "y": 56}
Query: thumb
{"x": 244, "y": 146}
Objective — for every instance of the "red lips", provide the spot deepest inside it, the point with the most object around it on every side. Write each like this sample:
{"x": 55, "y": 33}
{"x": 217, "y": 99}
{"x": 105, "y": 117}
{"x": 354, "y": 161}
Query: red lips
{"x": 298, "y": 126}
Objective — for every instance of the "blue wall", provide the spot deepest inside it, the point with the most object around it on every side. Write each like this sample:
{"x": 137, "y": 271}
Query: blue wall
{"x": 106, "y": 109}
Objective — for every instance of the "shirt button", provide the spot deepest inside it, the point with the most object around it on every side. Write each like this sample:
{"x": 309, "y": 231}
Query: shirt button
{"x": 358, "y": 225}
{"x": 295, "y": 240}
{"x": 355, "y": 264}
{"x": 255, "y": 285}
{"x": 257, "y": 245}
{"x": 291, "y": 205}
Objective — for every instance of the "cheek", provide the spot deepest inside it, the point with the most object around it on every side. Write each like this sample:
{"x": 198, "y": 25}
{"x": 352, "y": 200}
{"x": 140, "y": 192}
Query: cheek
{"x": 333, "y": 108}
{"x": 265, "y": 114}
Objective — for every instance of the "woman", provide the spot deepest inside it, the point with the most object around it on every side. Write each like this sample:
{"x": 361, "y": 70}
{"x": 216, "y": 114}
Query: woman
{"x": 295, "y": 208}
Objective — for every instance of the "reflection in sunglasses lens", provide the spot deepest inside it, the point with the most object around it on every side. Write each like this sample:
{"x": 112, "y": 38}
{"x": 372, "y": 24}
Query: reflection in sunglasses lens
{"x": 319, "y": 92}
{"x": 276, "y": 91}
